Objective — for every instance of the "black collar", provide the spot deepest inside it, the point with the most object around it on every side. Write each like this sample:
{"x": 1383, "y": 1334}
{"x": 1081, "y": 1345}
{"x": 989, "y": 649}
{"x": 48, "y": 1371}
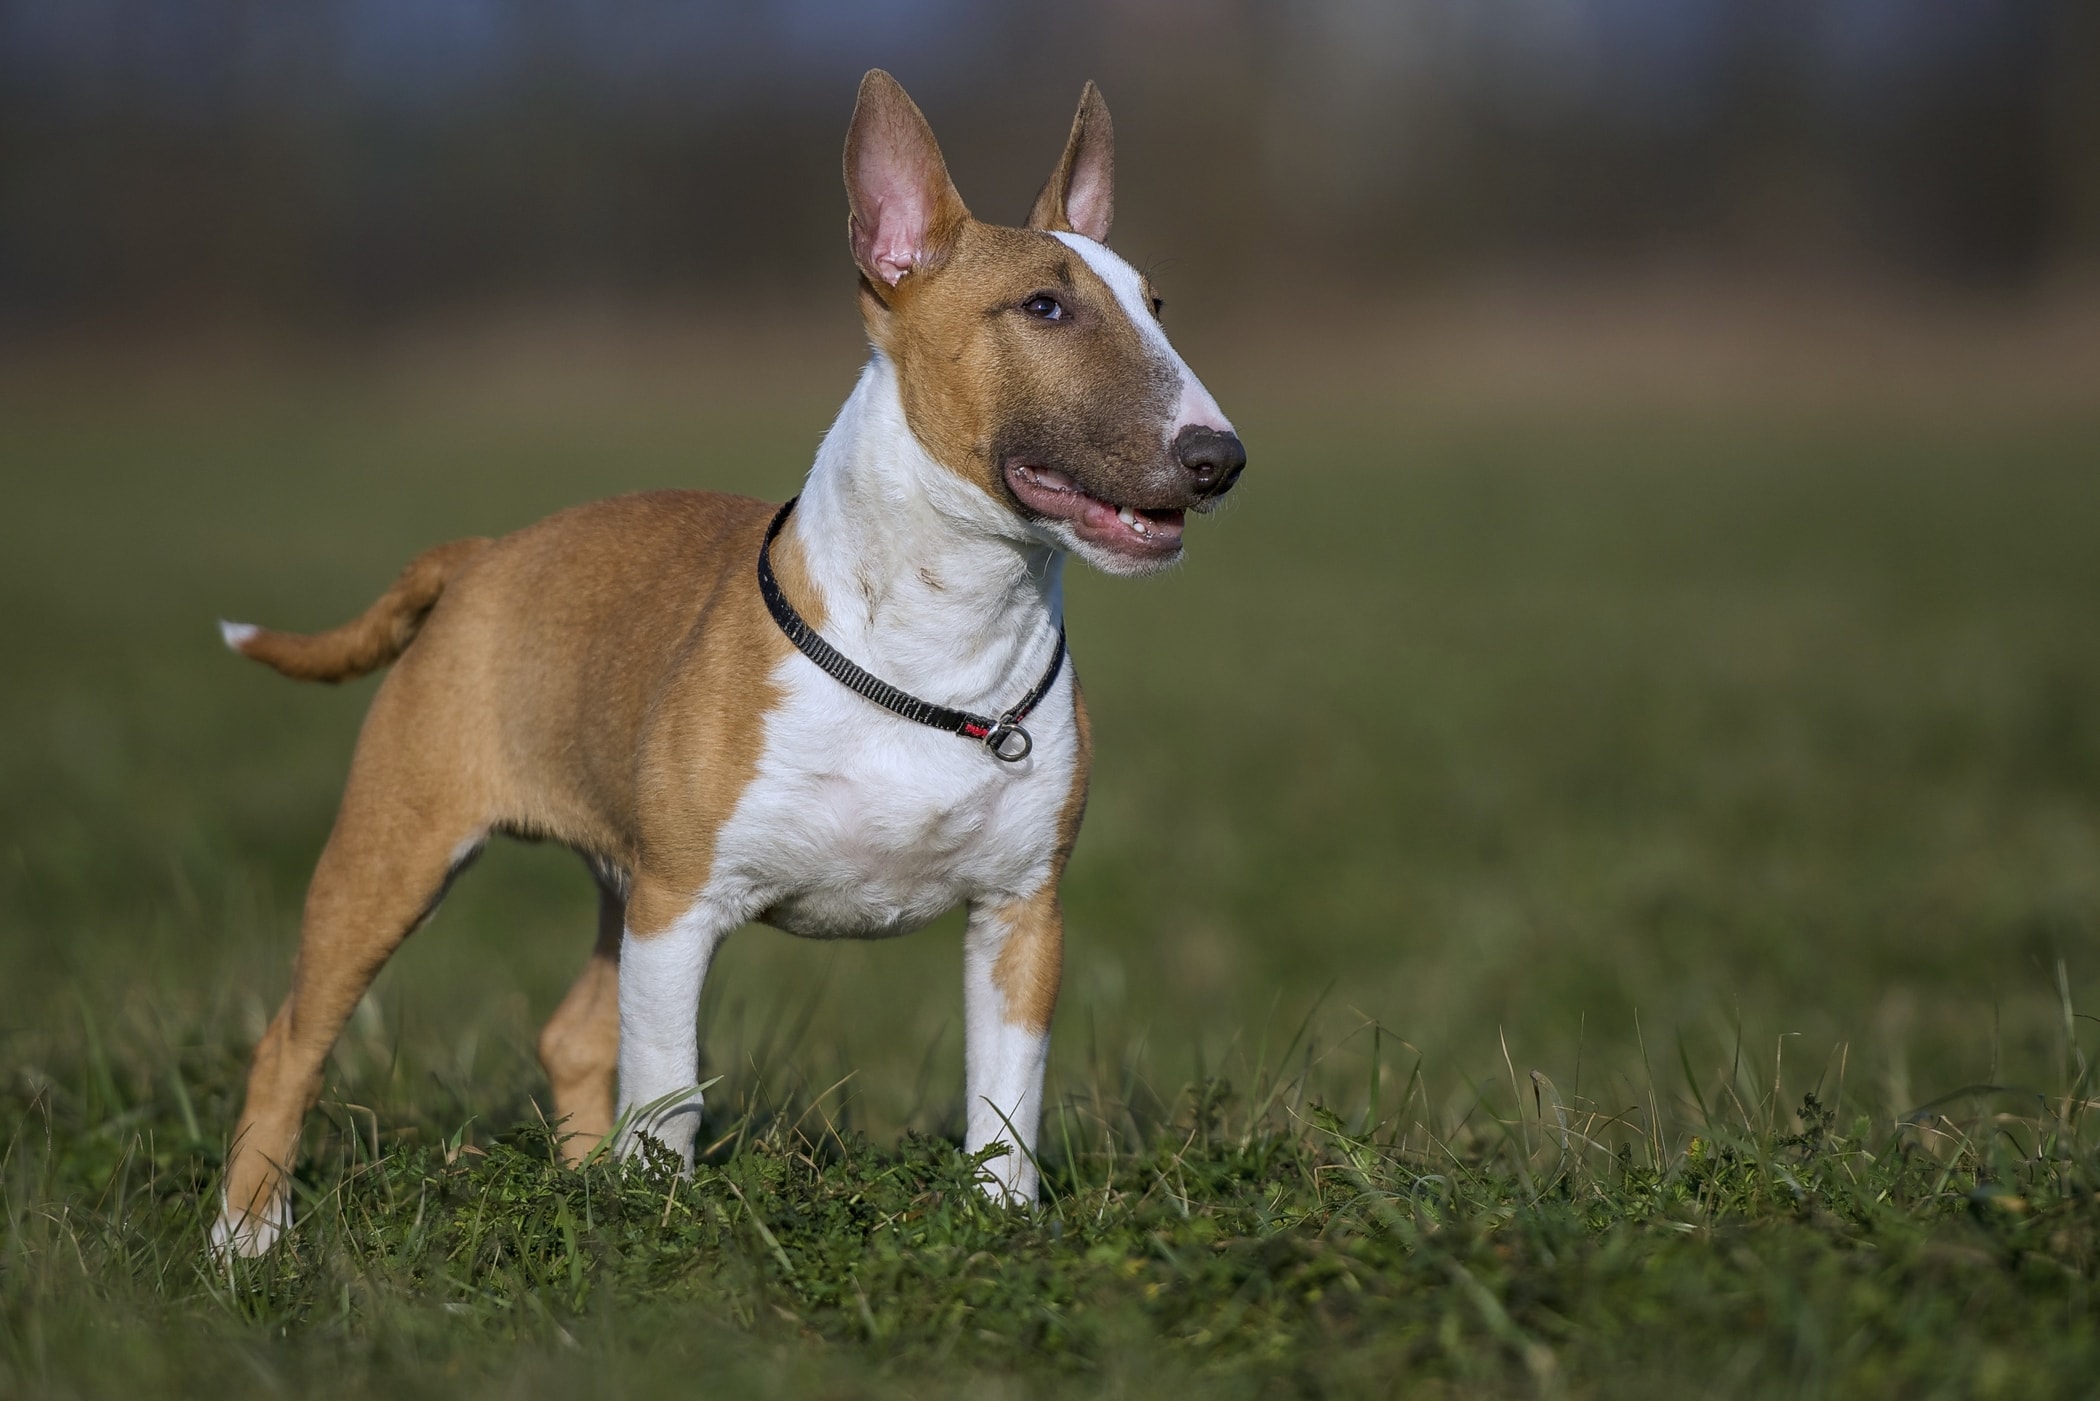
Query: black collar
{"x": 1001, "y": 735}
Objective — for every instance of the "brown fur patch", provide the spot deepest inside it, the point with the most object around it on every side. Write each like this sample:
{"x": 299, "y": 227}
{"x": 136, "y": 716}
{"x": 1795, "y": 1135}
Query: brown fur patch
{"x": 1031, "y": 960}
{"x": 702, "y": 746}
{"x": 596, "y": 677}
{"x": 1030, "y": 965}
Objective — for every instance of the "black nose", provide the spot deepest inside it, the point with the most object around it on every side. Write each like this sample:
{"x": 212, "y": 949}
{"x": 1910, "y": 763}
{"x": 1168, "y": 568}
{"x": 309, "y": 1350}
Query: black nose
{"x": 1213, "y": 459}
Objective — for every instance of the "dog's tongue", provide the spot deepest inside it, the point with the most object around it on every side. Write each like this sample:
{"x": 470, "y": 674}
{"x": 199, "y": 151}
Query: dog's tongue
{"x": 1099, "y": 515}
{"x": 1104, "y": 520}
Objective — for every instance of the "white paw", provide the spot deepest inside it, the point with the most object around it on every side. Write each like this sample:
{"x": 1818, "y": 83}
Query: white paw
{"x": 670, "y": 1123}
{"x": 249, "y": 1235}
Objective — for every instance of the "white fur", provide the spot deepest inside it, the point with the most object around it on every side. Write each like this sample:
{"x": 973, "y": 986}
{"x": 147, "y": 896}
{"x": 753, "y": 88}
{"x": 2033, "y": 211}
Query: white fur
{"x": 237, "y": 635}
{"x": 660, "y": 979}
{"x": 256, "y": 1234}
{"x": 1004, "y": 1063}
{"x": 859, "y": 823}
{"x": 1196, "y": 407}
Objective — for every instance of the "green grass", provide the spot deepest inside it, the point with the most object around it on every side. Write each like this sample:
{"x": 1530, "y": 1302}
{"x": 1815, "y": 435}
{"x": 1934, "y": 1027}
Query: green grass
{"x": 1573, "y": 904}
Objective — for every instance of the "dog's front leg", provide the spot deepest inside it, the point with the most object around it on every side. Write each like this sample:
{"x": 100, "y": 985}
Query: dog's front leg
{"x": 1012, "y": 958}
{"x": 660, "y": 977}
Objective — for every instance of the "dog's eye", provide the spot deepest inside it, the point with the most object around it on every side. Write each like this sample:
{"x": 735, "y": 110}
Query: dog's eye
{"x": 1159, "y": 306}
{"x": 1044, "y": 307}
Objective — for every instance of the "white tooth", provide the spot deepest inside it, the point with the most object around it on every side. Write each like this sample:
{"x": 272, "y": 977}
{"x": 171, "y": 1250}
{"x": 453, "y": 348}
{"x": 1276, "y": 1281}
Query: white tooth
{"x": 1124, "y": 514}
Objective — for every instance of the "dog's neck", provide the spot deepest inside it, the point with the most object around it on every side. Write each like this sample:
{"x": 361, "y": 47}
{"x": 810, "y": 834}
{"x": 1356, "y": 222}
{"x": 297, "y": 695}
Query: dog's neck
{"x": 925, "y": 581}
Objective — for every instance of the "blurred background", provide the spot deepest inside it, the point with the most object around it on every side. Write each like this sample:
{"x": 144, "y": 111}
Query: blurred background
{"x": 1693, "y": 402}
{"x": 350, "y": 166}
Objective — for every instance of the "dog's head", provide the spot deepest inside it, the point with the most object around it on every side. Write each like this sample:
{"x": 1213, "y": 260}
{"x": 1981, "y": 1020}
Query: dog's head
{"x": 1031, "y": 361}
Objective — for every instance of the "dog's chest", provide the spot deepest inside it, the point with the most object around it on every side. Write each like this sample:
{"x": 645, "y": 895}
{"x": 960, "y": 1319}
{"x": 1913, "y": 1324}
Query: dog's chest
{"x": 860, "y": 824}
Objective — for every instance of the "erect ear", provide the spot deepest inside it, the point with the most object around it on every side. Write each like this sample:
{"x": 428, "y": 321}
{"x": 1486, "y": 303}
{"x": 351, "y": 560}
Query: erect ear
{"x": 903, "y": 210}
{"x": 1081, "y": 194}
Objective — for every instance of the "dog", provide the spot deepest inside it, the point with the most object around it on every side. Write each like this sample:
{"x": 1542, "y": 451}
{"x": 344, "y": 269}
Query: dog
{"x": 719, "y": 701}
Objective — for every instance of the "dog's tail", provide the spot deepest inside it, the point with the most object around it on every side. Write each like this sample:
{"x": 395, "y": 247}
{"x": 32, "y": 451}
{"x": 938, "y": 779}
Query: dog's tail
{"x": 368, "y": 641}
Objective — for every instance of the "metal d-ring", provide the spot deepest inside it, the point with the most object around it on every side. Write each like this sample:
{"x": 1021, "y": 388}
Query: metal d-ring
{"x": 996, "y": 738}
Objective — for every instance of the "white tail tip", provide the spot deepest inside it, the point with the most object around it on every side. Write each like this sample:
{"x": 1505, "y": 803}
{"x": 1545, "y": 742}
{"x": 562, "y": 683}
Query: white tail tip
{"x": 237, "y": 635}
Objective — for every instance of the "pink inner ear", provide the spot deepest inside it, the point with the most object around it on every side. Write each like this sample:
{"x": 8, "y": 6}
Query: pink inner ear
{"x": 891, "y": 249}
{"x": 1088, "y": 201}
{"x": 896, "y": 187}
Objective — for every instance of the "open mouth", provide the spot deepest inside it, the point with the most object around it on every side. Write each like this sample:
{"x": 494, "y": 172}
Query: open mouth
{"x": 1124, "y": 529}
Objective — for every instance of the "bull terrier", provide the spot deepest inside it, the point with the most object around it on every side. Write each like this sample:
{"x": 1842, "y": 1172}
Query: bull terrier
{"x": 721, "y": 703}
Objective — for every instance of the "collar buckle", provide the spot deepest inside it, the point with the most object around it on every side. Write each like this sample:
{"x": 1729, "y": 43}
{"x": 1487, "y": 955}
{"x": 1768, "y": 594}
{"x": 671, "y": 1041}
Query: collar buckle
{"x": 1002, "y": 739}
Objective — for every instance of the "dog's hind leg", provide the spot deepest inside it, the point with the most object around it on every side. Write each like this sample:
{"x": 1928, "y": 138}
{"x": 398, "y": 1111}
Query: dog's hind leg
{"x": 580, "y": 1045}
{"x": 405, "y": 827}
